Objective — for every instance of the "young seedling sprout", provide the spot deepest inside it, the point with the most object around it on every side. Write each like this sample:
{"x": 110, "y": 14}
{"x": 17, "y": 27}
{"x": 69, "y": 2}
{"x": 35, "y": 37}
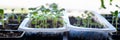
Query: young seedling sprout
{"x": 57, "y": 13}
{"x": 102, "y": 4}
{"x": 54, "y": 8}
{"x": 78, "y": 19}
{"x": 45, "y": 12}
{"x": 84, "y": 21}
{"x": 46, "y": 17}
{"x": 52, "y": 13}
{"x": 2, "y": 16}
{"x": 20, "y": 16}
{"x": 115, "y": 15}
{"x": 34, "y": 16}
{"x": 88, "y": 18}
{"x": 13, "y": 13}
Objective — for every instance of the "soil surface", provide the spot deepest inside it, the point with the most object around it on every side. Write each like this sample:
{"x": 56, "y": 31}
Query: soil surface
{"x": 12, "y": 24}
{"x": 10, "y": 34}
{"x": 50, "y": 24}
{"x": 80, "y": 23}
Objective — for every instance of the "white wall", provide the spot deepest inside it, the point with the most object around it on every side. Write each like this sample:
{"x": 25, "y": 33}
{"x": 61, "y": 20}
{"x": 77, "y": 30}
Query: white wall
{"x": 68, "y": 4}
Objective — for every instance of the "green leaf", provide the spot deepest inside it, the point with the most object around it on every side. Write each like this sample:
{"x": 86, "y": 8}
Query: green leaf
{"x": 78, "y": 18}
{"x": 12, "y": 10}
{"x": 111, "y": 2}
{"x": 62, "y": 9}
{"x": 35, "y": 13}
{"x": 1, "y": 13}
{"x": 112, "y": 13}
{"x": 53, "y": 6}
{"x": 116, "y": 13}
{"x": 42, "y": 8}
{"x": 47, "y": 10}
{"x": 33, "y": 22}
{"x": 86, "y": 11}
{"x": 117, "y": 6}
{"x": 32, "y": 8}
{"x": 19, "y": 19}
{"x": 22, "y": 8}
{"x": 102, "y": 4}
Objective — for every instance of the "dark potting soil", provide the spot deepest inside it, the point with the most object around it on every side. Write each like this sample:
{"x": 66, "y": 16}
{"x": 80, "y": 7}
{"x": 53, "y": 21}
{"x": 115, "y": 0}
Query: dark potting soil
{"x": 10, "y": 34}
{"x": 22, "y": 16}
{"x": 73, "y": 21}
{"x": 15, "y": 20}
{"x": 13, "y": 24}
{"x": 16, "y": 16}
{"x": 9, "y": 27}
{"x": 50, "y": 24}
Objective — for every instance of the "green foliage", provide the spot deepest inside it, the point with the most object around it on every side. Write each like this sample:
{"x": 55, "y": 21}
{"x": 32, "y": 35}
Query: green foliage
{"x": 42, "y": 8}
{"x": 32, "y": 8}
{"x": 19, "y": 18}
{"x": 13, "y": 10}
{"x": 22, "y": 8}
{"x": 111, "y": 2}
{"x": 115, "y": 15}
{"x": 117, "y": 6}
{"x": 87, "y": 21}
{"x": 45, "y": 14}
{"x": 1, "y": 13}
{"x": 53, "y": 6}
{"x": 102, "y": 4}
{"x": 2, "y": 16}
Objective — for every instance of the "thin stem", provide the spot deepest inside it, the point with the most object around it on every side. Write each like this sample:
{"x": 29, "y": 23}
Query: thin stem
{"x": 84, "y": 23}
{"x": 2, "y": 16}
{"x": 116, "y": 22}
{"x": 55, "y": 22}
{"x": 45, "y": 23}
{"x": 19, "y": 19}
{"x": 112, "y": 20}
{"x": 88, "y": 22}
{"x": 102, "y": 4}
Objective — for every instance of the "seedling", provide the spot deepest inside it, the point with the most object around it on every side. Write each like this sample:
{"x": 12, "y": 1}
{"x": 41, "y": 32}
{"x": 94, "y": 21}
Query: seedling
{"x": 2, "y": 17}
{"x": 115, "y": 15}
{"x": 102, "y": 4}
{"x": 13, "y": 13}
{"x": 20, "y": 16}
{"x": 85, "y": 20}
{"x": 47, "y": 16}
